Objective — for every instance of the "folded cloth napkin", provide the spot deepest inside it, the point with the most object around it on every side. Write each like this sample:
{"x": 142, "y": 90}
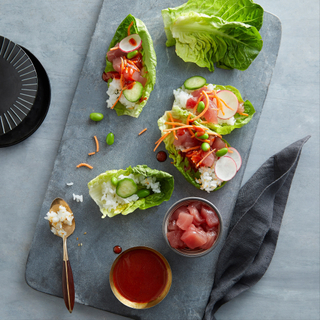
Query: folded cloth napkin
{"x": 254, "y": 228}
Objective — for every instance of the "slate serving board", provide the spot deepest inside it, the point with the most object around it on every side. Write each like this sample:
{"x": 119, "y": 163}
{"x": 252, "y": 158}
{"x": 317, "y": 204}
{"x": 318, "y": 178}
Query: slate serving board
{"x": 91, "y": 262}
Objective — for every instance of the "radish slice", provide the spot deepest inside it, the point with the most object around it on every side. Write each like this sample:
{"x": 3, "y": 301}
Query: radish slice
{"x": 130, "y": 43}
{"x": 231, "y": 100}
{"x": 225, "y": 168}
{"x": 235, "y": 155}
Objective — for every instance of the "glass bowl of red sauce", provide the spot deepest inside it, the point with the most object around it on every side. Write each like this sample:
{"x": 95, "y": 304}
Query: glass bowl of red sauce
{"x": 140, "y": 277}
{"x": 192, "y": 227}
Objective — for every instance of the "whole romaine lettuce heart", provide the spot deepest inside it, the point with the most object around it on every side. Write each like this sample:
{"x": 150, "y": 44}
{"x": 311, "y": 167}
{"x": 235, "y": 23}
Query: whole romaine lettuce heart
{"x": 148, "y": 56}
{"x": 245, "y": 11}
{"x": 224, "y": 128}
{"x": 166, "y": 186}
{"x": 206, "y": 40}
{"x": 180, "y": 162}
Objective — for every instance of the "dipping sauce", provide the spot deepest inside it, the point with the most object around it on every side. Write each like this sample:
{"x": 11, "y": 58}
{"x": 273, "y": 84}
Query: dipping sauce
{"x": 140, "y": 275}
{"x": 161, "y": 156}
{"x": 117, "y": 249}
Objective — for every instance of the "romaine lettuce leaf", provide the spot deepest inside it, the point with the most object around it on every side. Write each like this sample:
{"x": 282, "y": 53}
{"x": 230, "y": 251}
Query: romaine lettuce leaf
{"x": 221, "y": 32}
{"x": 224, "y": 129}
{"x": 245, "y": 11}
{"x": 154, "y": 199}
{"x": 180, "y": 162}
{"x": 148, "y": 56}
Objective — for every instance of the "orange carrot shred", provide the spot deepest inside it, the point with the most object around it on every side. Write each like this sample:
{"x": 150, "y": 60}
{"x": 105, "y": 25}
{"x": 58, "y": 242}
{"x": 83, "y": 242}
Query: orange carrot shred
{"x": 196, "y": 106}
{"x": 97, "y": 143}
{"x": 141, "y": 132}
{"x": 114, "y": 48}
{"x": 91, "y": 153}
{"x": 189, "y": 149}
{"x": 84, "y": 165}
{"x": 173, "y": 126}
{"x": 205, "y": 157}
{"x": 183, "y": 127}
{"x": 205, "y": 109}
{"x": 243, "y": 114}
{"x": 118, "y": 98}
{"x": 160, "y": 140}
{"x": 130, "y": 25}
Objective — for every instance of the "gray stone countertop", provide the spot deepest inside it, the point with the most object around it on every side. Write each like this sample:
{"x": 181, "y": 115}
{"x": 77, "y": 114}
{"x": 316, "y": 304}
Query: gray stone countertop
{"x": 58, "y": 33}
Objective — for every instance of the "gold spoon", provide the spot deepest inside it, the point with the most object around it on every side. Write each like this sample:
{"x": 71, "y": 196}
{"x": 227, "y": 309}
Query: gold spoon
{"x": 67, "y": 277}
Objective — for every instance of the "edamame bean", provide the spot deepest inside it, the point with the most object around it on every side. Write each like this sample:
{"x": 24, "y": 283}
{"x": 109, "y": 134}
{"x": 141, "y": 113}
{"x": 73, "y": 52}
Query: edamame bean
{"x": 96, "y": 116}
{"x": 205, "y": 136}
{"x": 221, "y": 152}
{"x": 142, "y": 193}
{"x": 201, "y": 106}
{"x": 114, "y": 181}
{"x": 205, "y": 146}
{"x": 110, "y": 139}
{"x": 132, "y": 54}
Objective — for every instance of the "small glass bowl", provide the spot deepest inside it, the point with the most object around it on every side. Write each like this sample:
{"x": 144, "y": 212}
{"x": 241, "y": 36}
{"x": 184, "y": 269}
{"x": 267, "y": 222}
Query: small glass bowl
{"x": 186, "y": 252}
{"x": 141, "y": 305}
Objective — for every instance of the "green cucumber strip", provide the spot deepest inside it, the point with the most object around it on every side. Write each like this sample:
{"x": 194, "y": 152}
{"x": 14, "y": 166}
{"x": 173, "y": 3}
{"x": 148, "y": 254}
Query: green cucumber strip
{"x": 134, "y": 94}
{"x": 126, "y": 188}
{"x": 195, "y": 82}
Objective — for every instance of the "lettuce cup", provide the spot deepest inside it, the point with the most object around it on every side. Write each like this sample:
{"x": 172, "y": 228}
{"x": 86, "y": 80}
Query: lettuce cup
{"x": 124, "y": 191}
{"x": 226, "y": 109}
{"x": 130, "y": 68}
{"x": 201, "y": 155}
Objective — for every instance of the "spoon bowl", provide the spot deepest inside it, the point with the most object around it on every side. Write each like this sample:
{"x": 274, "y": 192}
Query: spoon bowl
{"x": 67, "y": 276}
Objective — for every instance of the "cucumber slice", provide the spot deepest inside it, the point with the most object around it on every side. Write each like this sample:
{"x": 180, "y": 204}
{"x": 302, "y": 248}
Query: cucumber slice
{"x": 126, "y": 188}
{"x": 134, "y": 93}
{"x": 195, "y": 82}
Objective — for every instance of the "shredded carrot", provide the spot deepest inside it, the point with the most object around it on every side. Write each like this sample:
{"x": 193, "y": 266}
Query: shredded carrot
{"x": 97, "y": 143}
{"x": 84, "y": 165}
{"x": 188, "y": 122}
{"x": 198, "y": 164}
{"x": 141, "y": 132}
{"x": 124, "y": 88}
{"x": 230, "y": 151}
{"x": 183, "y": 127}
{"x": 160, "y": 140}
{"x": 173, "y": 125}
{"x": 202, "y": 140}
{"x": 196, "y": 106}
{"x": 192, "y": 148}
{"x": 114, "y": 48}
{"x": 214, "y": 134}
{"x": 243, "y": 114}
{"x": 225, "y": 104}
{"x": 130, "y": 25}
{"x": 91, "y": 153}
{"x": 205, "y": 109}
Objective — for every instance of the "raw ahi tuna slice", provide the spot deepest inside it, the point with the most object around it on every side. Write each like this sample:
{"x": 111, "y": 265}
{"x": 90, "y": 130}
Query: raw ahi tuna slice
{"x": 217, "y": 144}
{"x": 176, "y": 213}
{"x": 211, "y": 238}
{"x": 191, "y": 102}
{"x": 208, "y": 161}
{"x": 174, "y": 238}
{"x": 184, "y": 220}
{"x": 194, "y": 211}
{"x": 211, "y": 114}
{"x": 185, "y": 140}
{"x": 210, "y": 216}
{"x": 172, "y": 225}
{"x": 194, "y": 237}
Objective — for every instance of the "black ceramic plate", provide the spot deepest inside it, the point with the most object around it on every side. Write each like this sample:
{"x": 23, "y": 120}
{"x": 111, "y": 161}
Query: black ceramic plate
{"x": 18, "y": 85}
{"x": 38, "y": 111}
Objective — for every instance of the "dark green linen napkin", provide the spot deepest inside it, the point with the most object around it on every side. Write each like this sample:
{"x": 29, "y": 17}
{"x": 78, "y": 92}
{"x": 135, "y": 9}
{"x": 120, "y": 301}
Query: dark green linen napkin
{"x": 254, "y": 228}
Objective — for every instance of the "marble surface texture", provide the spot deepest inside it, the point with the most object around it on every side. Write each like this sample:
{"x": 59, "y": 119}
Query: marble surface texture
{"x": 59, "y": 33}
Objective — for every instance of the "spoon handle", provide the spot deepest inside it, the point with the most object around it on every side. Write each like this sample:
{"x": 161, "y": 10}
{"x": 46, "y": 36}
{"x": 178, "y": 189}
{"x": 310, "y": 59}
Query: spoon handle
{"x": 67, "y": 279}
